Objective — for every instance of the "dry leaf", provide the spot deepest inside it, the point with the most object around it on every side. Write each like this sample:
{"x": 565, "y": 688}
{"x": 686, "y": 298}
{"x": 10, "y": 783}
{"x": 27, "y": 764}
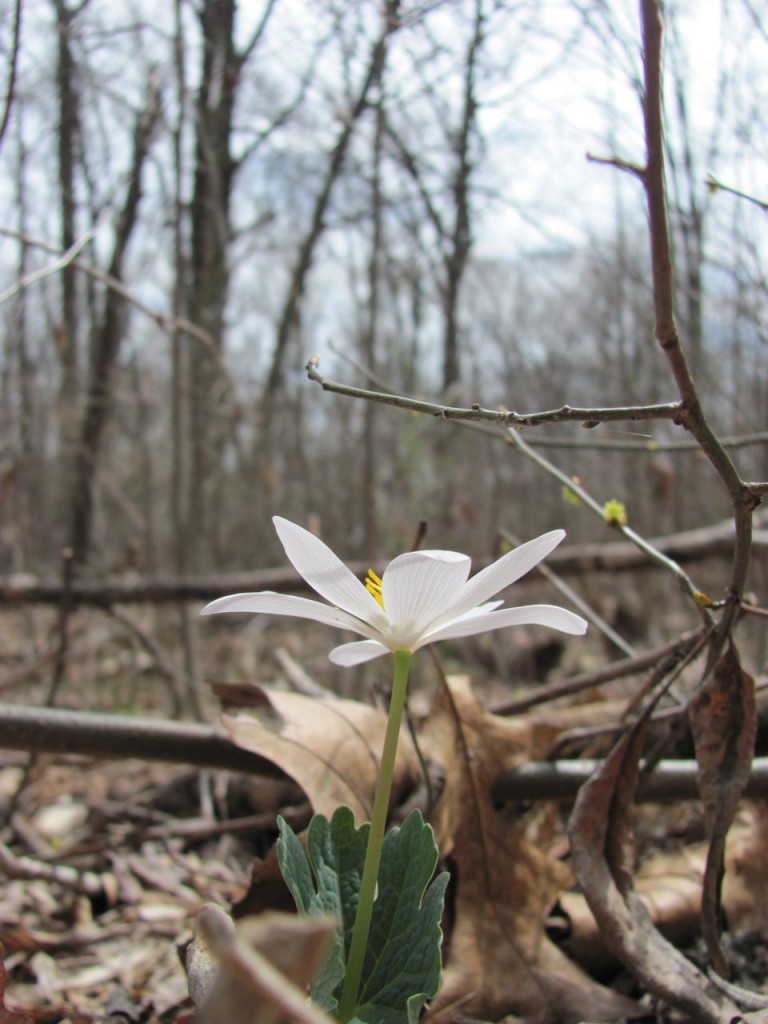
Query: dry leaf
{"x": 499, "y": 958}
{"x": 256, "y": 972}
{"x": 670, "y": 884}
{"x": 331, "y": 748}
{"x": 723, "y": 721}
{"x": 602, "y": 847}
{"x": 745, "y": 890}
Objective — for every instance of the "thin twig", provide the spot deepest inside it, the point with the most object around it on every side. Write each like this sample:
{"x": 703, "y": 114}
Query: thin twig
{"x": 717, "y": 186}
{"x": 501, "y": 417}
{"x": 649, "y": 446}
{"x": 621, "y": 165}
{"x": 86, "y": 882}
{"x": 66, "y": 609}
{"x": 65, "y": 260}
{"x": 587, "y": 680}
{"x": 567, "y": 481}
{"x": 578, "y": 601}
{"x": 163, "y": 663}
{"x": 163, "y": 320}
{"x": 645, "y": 444}
{"x": 26, "y": 672}
{"x": 299, "y": 678}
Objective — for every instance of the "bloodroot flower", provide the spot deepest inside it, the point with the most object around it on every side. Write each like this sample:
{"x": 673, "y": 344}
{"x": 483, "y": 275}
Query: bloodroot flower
{"x": 421, "y": 597}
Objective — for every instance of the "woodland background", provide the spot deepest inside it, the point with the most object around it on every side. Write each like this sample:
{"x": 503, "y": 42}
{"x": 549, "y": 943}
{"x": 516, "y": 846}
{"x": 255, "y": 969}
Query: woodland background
{"x": 402, "y": 190}
{"x": 440, "y": 200}
{"x": 197, "y": 198}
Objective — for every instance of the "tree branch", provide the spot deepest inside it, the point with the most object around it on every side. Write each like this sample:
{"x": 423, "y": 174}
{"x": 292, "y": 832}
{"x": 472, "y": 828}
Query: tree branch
{"x": 672, "y": 652}
{"x": 110, "y": 737}
{"x": 163, "y": 320}
{"x": 652, "y": 552}
{"x": 502, "y": 417}
{"x": 715, "y": 541}
{"x": 717, "y": 186}
{"x": 692, "y": 416}
{"x": 561, "y": 780}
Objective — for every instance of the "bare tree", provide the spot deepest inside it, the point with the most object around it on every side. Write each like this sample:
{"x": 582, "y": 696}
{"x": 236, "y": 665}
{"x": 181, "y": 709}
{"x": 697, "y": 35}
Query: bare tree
{"x": 209, "y": 262}
{"x": 290, "y": 312}
{"x": 12, "y": 72}
{"x": 107, "y": 342}
{"x": 459, "y": 242}
{"x": 68, "y": 141}
{"x": 372, "y": 328}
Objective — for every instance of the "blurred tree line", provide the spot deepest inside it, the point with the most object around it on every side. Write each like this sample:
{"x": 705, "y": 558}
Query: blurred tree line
{"x": 198, "y": 196}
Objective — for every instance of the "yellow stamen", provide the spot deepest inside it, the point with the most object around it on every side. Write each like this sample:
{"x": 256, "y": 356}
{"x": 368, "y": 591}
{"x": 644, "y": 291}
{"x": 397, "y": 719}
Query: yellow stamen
{"x": 373, "y": 586}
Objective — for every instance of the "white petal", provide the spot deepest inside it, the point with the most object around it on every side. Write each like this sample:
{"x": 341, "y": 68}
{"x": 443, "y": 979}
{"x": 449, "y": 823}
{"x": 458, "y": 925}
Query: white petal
{"x": 358, "y": 652}
{"x": 326, "y": 573}
{"x": 503, "y": 572}
{"x": 481, "y": 609}
{"x": 531, "y": 615}
{"x": 288, "y": 604}
{"x": 418, "y": 586}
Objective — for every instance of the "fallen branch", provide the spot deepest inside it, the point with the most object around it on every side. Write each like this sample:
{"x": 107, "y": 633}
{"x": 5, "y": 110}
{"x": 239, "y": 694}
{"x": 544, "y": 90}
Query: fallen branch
{"x": 715, "y": 541}
{"x": 674, "y": 649}
{"x": 111, "y": 737}
{"x": 561, "y": 780}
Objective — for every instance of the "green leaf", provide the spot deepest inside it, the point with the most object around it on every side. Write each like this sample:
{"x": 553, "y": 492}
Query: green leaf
{"x": 295, "y": 869}
{"x": 402, "y": 963}
{"x": 336, "y": 853}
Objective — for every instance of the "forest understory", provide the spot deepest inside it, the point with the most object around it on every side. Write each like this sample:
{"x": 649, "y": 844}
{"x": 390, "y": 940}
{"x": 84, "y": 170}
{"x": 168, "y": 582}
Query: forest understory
{"x": 108, "y": 862}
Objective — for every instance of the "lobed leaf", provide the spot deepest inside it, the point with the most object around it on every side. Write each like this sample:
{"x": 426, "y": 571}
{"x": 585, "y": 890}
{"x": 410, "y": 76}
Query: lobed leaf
{"x": 402, "y": 967}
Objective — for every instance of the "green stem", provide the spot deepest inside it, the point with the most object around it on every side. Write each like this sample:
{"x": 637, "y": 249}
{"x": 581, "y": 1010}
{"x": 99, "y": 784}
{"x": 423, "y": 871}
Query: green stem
{"x": 362, "y": 926}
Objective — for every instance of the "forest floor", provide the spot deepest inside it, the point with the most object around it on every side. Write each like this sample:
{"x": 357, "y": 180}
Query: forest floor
{"x": 105, "y": 864}
{"x": 114, "y": 860}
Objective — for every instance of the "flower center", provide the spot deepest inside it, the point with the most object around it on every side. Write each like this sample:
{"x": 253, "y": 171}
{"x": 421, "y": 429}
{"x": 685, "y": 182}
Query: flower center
{"x": 373, "y": 586}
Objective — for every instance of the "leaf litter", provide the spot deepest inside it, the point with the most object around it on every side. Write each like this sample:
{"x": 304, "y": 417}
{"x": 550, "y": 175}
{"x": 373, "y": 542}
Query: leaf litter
{"x": 114, "y": 873}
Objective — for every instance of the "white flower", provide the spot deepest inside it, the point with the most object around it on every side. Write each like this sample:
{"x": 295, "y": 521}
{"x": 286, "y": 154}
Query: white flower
{"x": 422, "y": 596}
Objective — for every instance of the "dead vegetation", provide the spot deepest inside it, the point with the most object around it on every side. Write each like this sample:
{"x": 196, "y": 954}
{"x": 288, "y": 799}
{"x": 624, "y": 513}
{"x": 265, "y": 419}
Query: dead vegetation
{"x": 108, "y": 863}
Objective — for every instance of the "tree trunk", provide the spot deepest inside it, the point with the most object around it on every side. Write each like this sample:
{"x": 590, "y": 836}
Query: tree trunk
{"x": 66, "y": 331}
{"x": 107, "y": 347}
{"x": 209, "y": 273}
{"x": 460, "y": 241}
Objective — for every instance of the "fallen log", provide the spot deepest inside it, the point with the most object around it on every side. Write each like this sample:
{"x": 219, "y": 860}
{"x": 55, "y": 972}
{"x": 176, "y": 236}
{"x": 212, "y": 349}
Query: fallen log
{"x": 112, "y": 737}
{"x": 714, "y": 541}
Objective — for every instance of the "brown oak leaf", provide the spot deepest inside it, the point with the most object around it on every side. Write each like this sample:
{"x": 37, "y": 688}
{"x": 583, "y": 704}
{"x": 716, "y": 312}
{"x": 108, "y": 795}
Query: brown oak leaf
{"x": 331, "y": 748}
{"x": 499, "y": 959}
{"x": 723, "y": 719}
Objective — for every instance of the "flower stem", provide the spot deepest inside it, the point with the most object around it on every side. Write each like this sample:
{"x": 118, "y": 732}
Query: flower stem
{"x": 359, "y": 944}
